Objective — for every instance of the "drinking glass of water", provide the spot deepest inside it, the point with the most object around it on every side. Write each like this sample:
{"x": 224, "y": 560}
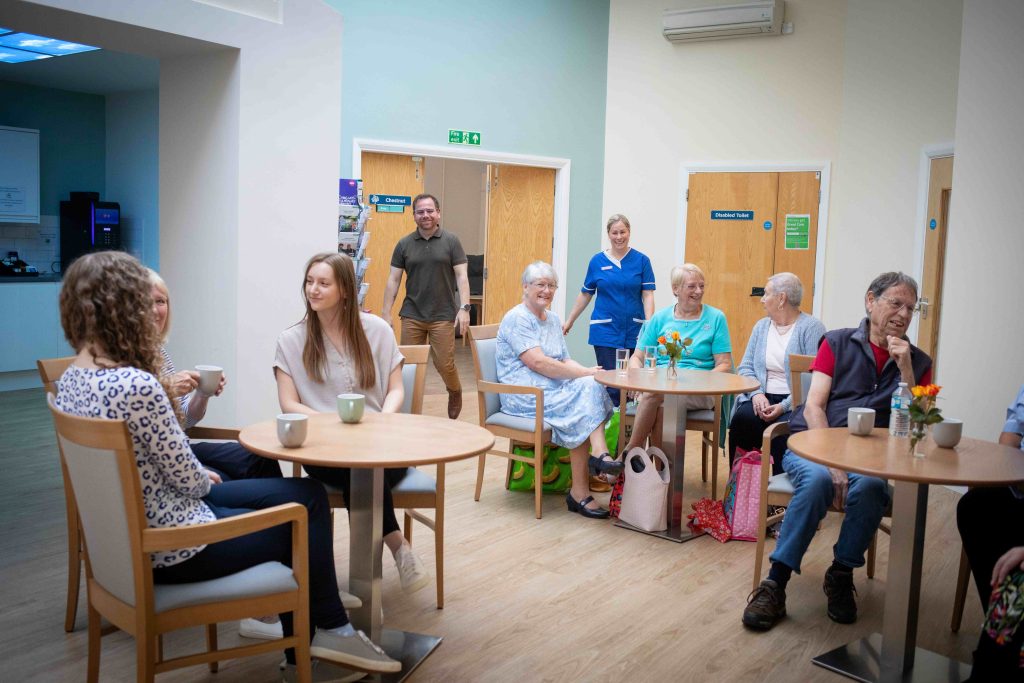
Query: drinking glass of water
{"x": 650, "y": 358}
{"x": 621, "y": 361}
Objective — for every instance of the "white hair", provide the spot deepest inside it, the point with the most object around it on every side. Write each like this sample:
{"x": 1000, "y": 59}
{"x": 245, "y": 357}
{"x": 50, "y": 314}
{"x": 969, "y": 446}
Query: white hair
{"x": 538, "y": 270}
{"x": 790, "y": 285}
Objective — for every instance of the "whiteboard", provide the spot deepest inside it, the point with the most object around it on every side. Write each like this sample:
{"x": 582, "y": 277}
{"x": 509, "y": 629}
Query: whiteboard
{"x": 19, "y": 175}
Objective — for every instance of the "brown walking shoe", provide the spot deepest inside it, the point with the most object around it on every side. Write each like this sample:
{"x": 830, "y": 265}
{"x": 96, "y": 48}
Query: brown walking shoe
{"x": 765, "y": 606}
{"x": 454, "y": 404}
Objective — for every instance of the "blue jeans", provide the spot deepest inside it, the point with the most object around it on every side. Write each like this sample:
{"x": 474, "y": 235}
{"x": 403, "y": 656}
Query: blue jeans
{"x": 866, "y": 501}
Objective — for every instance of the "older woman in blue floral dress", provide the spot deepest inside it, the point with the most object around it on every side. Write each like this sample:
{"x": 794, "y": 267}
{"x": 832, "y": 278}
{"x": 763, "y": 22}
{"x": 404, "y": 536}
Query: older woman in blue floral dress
{"x": 531, "y": 351}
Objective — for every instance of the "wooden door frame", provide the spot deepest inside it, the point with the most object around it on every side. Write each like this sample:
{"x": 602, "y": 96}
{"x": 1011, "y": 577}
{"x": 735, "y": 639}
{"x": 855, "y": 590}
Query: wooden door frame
{"x": 929, "y": 153}
{"x": 562, "y": 167}
{"x": 823, "y": 167}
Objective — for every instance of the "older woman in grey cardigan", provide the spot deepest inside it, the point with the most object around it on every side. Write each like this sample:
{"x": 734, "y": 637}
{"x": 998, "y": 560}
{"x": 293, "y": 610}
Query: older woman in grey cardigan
{"x": 783, "y": 332}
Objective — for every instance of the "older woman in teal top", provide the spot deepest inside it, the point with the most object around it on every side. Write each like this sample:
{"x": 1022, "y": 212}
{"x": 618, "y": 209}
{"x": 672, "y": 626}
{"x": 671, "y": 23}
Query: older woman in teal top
{"x": 784, "y": 331}
{"x": 710, "y": 348}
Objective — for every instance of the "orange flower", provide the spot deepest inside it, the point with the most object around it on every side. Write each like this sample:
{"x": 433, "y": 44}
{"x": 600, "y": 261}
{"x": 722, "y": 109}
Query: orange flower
{"x": 930, "y": 390}
{"x": 661, "y": 339}
{"x": 675, "y": 335}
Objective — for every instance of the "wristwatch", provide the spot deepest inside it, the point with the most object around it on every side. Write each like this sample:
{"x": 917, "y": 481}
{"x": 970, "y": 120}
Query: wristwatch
{"x": 467, "y": 307}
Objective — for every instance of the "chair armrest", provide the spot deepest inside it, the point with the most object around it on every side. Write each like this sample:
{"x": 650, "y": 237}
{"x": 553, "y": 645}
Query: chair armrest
{"x": 224, "y": 433}
{"x": 498, "y": 388}
{"x": 777, "y": 429}
{"x": 154, "y": 540}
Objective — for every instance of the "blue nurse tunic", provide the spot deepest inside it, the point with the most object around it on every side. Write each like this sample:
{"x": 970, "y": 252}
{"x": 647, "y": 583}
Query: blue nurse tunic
{"x": 619, "y": 309}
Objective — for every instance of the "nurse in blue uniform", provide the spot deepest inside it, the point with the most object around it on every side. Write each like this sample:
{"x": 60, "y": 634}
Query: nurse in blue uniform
{"x": 623, "y": 280}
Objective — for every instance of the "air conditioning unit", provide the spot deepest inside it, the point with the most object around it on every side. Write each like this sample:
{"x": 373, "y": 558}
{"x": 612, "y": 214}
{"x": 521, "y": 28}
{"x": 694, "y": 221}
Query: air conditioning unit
{"x": 762, "y": 18}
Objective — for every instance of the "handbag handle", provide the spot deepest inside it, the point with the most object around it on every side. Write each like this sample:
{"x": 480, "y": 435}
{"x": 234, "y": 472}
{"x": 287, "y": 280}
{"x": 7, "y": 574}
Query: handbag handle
{"x": 656, "y": 453}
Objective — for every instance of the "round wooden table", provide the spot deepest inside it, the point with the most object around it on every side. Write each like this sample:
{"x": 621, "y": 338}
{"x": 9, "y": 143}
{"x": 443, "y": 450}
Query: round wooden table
{"x": 893, "y": 655}
{"x": 380, "y": 440}
{"x": 686, "y": 383}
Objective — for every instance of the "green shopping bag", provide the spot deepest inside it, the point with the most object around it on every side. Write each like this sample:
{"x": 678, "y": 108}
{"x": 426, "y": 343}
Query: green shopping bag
{"x": 557, "y": 474}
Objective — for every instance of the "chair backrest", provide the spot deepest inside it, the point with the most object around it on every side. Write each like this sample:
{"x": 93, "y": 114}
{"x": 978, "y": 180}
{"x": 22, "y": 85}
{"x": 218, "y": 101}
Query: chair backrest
{"x": 50, "y": 370}
{"x": 484, "y": 342}
{"x": 799, "y": 377}
{"x": 414, "y": 377}
{"x": 100, "y": 460}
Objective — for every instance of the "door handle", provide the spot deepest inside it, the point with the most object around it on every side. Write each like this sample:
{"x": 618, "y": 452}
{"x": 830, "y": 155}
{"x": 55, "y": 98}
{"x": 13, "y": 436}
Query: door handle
{"x": 923, "y": 305}
{"x": 757, "y": 291}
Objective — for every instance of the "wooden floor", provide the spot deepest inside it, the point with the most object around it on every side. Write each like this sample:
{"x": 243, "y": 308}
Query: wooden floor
{"x": 557, "y": 599}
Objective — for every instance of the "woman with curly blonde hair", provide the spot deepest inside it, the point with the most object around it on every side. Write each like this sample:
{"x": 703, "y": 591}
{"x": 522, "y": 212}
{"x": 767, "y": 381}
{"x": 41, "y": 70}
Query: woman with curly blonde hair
{"x": 106, "y": 309}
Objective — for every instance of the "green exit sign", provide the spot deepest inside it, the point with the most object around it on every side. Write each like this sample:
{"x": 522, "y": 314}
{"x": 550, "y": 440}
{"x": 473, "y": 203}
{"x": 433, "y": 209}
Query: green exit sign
{"x": 463, "y": 137}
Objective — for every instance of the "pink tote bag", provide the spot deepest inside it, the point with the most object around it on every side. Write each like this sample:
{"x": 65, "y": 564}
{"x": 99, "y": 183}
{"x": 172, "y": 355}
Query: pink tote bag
{"x": 745, "y": 494}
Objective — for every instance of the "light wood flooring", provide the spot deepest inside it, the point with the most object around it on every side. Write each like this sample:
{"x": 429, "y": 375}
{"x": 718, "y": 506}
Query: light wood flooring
{"x": 557, "y": 599}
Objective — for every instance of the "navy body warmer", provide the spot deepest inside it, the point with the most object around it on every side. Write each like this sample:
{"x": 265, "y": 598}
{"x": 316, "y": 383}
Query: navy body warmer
{"x": 856, "y": 381}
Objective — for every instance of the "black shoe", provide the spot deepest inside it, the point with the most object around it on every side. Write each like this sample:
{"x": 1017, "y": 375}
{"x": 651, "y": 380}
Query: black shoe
{"x": 604, "y": 464}
{"x": 581, "y": 507}
{"x": 838, "y": 586}
{"x": 766, "y": 605}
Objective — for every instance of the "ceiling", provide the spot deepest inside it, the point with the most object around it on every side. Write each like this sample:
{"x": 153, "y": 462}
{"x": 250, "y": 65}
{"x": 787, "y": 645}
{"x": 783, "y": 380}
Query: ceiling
{"x": 100, "y": 72}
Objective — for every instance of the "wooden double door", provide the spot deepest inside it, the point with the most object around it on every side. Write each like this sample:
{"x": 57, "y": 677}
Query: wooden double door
{"x": 519, "y": 226}
{"x": 743, "y": 227}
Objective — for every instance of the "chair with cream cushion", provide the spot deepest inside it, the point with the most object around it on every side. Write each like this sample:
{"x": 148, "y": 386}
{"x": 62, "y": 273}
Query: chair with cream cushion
{"x": 97, "y": 455}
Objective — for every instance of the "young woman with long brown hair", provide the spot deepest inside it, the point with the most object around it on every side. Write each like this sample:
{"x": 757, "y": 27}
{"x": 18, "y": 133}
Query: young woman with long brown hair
{"x": 106, "y": 308}
{"x": 337, "y": 349}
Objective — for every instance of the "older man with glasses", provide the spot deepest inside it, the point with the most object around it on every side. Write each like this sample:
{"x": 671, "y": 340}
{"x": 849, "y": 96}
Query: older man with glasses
{"x": 862, "y": 367}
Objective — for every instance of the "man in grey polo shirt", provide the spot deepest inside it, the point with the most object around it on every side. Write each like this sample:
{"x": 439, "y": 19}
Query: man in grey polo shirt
{"x": 435, "y": 265}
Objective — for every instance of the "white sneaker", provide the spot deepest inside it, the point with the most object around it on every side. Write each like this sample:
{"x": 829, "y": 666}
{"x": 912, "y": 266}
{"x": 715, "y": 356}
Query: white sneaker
{"x": 411, "y": 571}
{"x": 323, "y": 672}
{"x": 259, "y": 629}
{"x": 356, "y": 651}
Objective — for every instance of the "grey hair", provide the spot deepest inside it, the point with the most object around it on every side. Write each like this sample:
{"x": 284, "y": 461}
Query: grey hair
{"x": 790, "y": 285}
{"x": 616, "y": 218}
{"x": 895, "y": 278}
{"x": 537, "y": 270}
{"x": 679, "y": 273}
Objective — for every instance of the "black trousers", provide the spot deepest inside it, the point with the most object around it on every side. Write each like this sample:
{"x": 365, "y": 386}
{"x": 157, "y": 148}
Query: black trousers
{"x": 991, "y": 521}
{"x": 747, "y": 429}
{"x": 341, "y": 477}
{"x": 606, "y": 359}
{"x": 231, "y": 461}
{"x": 275, "y": 544}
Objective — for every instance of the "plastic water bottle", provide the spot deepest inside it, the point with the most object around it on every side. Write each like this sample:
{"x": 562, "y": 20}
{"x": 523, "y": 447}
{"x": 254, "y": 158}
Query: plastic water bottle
{"x": 899, "y": 411}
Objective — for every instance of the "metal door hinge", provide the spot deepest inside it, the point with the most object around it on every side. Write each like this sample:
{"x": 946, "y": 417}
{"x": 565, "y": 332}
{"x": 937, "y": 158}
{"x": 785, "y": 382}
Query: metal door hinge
{"x": 485, "y": 272}
{"x": 687, "y": 194}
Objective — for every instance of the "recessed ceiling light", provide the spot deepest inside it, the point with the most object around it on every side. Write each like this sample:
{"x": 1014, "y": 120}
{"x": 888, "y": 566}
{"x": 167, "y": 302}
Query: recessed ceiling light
{"x": 11, "y": 56}
{"x": 47, "y": 46}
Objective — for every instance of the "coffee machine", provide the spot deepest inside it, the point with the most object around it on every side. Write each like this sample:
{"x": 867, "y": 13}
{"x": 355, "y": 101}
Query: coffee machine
{"x": 87, "y": 224}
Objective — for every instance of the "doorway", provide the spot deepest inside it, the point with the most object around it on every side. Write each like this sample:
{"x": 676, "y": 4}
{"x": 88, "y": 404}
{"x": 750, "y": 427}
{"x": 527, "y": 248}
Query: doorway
{"x": 743, "y": 226}
{"x": 940, "y": 191}
{"x": 506, "y": 215}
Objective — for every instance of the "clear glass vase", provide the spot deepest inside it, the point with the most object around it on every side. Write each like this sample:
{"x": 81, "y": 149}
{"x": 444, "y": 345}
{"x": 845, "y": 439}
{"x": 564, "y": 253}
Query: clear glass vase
{"x": 672, "y": 371}
{"x": 917, "y": 433}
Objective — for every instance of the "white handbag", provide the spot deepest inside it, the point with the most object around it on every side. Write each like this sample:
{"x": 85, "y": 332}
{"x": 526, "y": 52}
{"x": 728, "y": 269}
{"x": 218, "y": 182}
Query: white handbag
{"x": 645, "y": 493}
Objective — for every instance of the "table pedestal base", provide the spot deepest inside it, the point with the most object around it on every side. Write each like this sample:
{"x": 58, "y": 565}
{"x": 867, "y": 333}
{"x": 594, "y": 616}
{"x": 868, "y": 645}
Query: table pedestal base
{"x": 679, "y": 534}
{"x": 860, "y": 660}
{"x": 408, "y": 648}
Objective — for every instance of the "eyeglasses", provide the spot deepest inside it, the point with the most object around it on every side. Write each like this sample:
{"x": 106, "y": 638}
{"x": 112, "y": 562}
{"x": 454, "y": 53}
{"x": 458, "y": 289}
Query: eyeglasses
{"x": 897, "y": 306}
{"x": 544, "y": 285}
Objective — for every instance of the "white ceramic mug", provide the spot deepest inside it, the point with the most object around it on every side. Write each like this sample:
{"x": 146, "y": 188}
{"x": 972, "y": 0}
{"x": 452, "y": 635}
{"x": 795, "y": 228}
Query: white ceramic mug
{"x": 350, "y": 407}
{"x": 291, "y": 429}
{"x": 947, "y": 433}
{"x": 209, "y": 378}
{"x": 860, "y": 421}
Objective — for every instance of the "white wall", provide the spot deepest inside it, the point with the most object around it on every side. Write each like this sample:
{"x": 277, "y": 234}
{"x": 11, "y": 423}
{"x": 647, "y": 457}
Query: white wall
{"x": 250, "y": 136}
{"x": 862, "y": 85}
{"x": 982, "y": 325}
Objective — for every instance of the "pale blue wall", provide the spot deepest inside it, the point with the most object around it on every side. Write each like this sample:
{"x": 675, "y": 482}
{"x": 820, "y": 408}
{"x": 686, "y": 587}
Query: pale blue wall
{"x": 133, "y": 170}
{"x": 529, "y": 75}
{"x": 71, "y": 138}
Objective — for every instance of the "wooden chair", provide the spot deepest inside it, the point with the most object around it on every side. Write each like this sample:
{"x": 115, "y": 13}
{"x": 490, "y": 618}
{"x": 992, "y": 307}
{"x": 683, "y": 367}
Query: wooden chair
{"x": 418, "y": 490}
{"x": 963, "y": 580}
{"x": 533, "y": 433}
{"x": 50, "y": 370}
{"x": 98, "y": 456}
{"x": 707, "y": 421}
{"x": 777, "y": 490}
